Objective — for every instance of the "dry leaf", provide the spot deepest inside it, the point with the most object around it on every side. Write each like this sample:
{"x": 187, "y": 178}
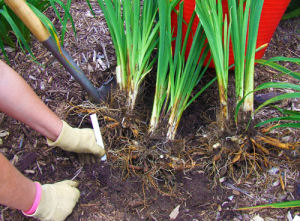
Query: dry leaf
{"x": 257, "y": 218}
{"x": 173, "y": 215}
{"x": 4, "y": 133}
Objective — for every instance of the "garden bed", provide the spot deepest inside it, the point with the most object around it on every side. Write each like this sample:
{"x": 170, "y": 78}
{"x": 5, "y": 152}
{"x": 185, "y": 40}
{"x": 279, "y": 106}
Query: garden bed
{"x": 145, "y": 178}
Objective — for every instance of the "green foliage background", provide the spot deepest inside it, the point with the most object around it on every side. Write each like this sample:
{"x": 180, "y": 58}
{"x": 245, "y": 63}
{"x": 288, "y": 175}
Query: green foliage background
{"x": 14, "y": 33}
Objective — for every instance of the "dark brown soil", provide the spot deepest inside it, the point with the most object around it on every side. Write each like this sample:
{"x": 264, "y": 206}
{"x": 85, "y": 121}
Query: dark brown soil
{"x": 191, "y": 172}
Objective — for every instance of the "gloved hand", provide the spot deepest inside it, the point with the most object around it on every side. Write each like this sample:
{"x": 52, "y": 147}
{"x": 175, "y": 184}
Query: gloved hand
{"x": 77, "y": 140}
{"x": 57, "y": 201}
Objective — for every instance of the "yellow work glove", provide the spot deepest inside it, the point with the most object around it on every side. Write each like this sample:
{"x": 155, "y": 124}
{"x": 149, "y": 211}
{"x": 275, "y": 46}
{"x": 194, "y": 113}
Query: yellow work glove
{"x": 57, "y": 201}
{"x": 77, "y": 140}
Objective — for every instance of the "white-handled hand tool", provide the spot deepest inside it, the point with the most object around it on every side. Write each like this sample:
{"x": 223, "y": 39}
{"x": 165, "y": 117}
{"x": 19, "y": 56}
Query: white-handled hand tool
{"x": 97, "y": 131}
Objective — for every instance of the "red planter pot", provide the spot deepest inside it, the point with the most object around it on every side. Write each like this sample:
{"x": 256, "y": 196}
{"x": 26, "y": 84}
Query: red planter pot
{"x": 271, "y": 15}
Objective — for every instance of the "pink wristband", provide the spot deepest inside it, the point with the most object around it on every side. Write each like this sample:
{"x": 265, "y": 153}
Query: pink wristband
{"x": 36, "y": 201}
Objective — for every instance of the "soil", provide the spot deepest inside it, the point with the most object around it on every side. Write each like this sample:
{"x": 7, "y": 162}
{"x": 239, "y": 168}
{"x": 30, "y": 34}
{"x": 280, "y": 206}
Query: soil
{"x": 146, "y": 178}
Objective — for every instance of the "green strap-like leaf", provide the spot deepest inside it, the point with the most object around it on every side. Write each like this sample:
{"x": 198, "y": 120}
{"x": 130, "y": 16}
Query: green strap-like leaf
{"x": 286, "y": 59}
{"x": 279, "y": 67}
{"x": 278, "y": 85}
{"x": 2, "y": 49}
{"x": 47, "y": 23}
{"x": 275, "y": 119}
{"x": 290, "y": 204}
{"x": 90, "y": 7}
{"x": 20, "y": 38}
{"x": 67, "y": 16}
{"x": 278, "y": 98}
{"x": 293, "y": 14}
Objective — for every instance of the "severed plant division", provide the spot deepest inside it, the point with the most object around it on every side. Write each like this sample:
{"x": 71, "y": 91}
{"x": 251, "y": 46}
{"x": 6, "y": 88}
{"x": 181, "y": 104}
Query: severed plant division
{"x": 134, "y": 33}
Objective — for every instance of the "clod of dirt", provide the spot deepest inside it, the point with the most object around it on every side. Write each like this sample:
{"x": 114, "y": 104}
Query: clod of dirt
{"x": 26, "y": 161}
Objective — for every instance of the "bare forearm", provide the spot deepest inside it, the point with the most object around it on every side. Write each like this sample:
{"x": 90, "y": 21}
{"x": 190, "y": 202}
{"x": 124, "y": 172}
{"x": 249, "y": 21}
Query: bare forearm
{"x": 19, "y": 101}
{"x": 16, "y": 191}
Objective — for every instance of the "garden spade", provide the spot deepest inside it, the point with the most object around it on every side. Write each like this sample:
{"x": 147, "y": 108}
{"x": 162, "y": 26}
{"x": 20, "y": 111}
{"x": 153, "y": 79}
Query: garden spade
{"x": 33, "y": 23}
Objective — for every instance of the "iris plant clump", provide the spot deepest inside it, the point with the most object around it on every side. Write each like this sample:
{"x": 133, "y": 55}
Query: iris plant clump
{"x": 218, "y": 31}
{"x": 240, "y": 26}
{"x": 134, "y": 33}
{"x": 176, "y": 76}
{"x": 245, "y": 17}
